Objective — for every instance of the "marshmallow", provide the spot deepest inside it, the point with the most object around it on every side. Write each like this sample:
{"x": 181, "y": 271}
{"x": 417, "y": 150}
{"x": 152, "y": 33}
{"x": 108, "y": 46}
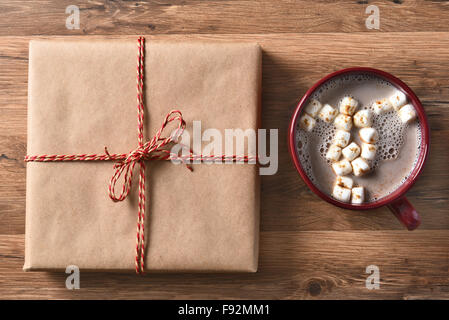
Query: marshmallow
{"x": 345, "y": 182}
{"x": 360, "y": 166}
{"x": 358, "y": 195}
{"x": 368, "y": 135}
{"x": 351, "y": 152}
{"x": 342, "y": 194}
{"x": 313, "y": 107}
{"x": 334, "y": 153}
{"x": 342, "y": 138}
{"x": 368, "y": 151}
{"x": 382, "y": 106}
{"x": 307, "y": 122}
{"x": 398, "y": 100}
{"x": 328, "y": 113}
{"x": 343, "y": 122}
{"x": 348, "y": 105}
{"x": 407, "y": 113}
{"x": 342, "y": 168}
{"x": 363, "y": 119}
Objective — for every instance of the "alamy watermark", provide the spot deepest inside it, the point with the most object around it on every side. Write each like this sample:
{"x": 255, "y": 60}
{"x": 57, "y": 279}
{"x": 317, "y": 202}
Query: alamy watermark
{"x": 373, "y": 280}
{"x": 73, "y": 280}
{"x": 73, "y": 20}
{"x": 373, "y": 20}
{"x": 234, "y": 142}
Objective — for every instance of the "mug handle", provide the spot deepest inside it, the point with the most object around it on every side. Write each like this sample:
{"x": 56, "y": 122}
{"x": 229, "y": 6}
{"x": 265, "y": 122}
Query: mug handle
{"x": 406, "y": 213}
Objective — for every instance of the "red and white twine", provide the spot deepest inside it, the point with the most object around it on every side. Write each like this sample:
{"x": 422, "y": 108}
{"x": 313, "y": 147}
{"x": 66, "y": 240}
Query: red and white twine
{"x": 155, "y": 149}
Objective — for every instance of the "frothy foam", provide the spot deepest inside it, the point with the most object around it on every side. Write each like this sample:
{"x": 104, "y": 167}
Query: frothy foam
{"x": 392, "y": 132}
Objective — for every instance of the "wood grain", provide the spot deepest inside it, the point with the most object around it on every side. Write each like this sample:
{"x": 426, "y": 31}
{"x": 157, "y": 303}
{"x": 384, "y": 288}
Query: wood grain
{"x": 293, "y": 265}
{"x": 309, "y": 249}
{"x": 288, "y": 71}
{"x": 43, "y": 17}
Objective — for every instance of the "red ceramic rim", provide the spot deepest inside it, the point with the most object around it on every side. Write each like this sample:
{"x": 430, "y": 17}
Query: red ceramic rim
{"x": 425, "y": 139}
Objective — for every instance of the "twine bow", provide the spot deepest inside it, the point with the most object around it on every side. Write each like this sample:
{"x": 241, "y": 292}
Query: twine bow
{"x": 154, "y": 149}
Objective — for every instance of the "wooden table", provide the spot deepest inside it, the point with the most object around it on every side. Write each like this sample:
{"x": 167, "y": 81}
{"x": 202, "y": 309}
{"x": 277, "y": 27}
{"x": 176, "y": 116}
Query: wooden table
{"x": 309, "y": 249}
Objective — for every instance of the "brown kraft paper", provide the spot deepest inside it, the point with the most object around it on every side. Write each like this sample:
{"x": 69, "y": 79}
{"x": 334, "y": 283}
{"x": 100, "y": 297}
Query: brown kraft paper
{"x": 81, "y": 98}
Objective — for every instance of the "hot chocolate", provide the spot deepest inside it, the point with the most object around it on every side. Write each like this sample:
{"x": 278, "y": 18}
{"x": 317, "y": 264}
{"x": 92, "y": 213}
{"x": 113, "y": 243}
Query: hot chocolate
{"x": 332, "y": 133}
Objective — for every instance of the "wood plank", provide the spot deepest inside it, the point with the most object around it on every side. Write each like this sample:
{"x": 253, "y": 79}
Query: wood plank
{"x": 43, "y": 17}
{"x": 291, "y": 64}
{"x": 309, "y": 249}
{"x": 304, "y": 265}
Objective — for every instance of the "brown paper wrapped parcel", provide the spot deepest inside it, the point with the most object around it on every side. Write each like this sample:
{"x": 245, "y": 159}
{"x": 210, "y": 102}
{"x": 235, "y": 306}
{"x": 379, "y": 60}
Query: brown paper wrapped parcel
{"x": 82, "y": 97}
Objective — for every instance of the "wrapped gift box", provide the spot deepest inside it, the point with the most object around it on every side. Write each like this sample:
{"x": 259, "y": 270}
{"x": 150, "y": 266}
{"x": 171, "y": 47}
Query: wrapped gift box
{"x": 82, "y": 97}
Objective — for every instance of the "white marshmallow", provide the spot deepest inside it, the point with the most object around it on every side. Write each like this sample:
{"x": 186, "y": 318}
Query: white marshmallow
{"x": 342, "y": 138}
{"x": 327, "y": 113}
{"x": 313, "y": 107}
{"x": 343, "y": 122}
{"x": 407, "y": 113}
{"x": 398, "y": 99}
{"x": 382, "y": 106}
{"x": 348, "y": 105}
{"x": 360, "y": 166}
{"x": 358, "y": 195}
{"x": 352, "y": 151}
{"x": 345, "y": 182}
{"x": 307, "y": 122}
{"x": 342, "y": 194}
{"x": 363, "y": 119}
{"x": 368, "y": 151}
{"x": 342, "y": 168}
{"x": 334, "y": 153}
{"x": 368, "y": 135}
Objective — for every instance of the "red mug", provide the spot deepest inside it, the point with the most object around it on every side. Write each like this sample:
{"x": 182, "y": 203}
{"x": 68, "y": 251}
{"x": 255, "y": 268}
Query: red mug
{"x": 395, "y": 201}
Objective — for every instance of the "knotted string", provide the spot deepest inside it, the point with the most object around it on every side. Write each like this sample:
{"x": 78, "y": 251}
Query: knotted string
{"x": 155, "y": 149}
